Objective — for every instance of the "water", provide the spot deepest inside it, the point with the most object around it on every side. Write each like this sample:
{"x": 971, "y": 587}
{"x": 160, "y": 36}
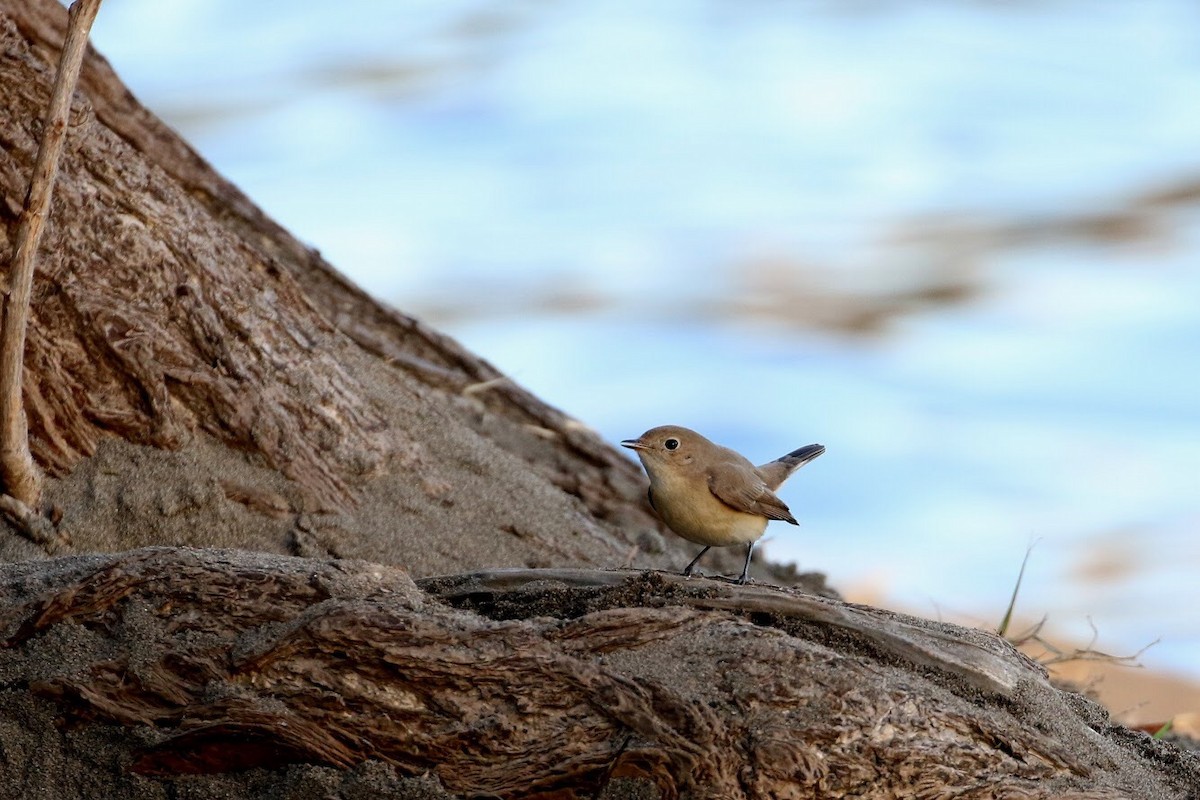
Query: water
{"x": 955, "y": 243}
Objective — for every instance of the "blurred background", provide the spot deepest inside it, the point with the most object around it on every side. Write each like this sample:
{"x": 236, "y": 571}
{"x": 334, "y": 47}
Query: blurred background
{"x": 956, "y": 242}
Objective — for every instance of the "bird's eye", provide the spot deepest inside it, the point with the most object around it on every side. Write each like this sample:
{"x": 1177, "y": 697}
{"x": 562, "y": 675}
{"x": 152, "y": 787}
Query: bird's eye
{"x": 671, "y": 444}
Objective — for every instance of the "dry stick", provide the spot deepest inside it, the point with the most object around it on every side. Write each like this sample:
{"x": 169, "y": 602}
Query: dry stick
{"x": 19, "y": 474}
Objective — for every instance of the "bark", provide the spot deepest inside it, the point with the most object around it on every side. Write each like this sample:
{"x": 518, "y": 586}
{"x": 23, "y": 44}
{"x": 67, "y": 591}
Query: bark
{"x": 170, "y": 313}
{"x": 550, "y": 683}
{"x": 168, "y": 302}
{"x": 20, "y": 477}
{"x": 197, "y": 376}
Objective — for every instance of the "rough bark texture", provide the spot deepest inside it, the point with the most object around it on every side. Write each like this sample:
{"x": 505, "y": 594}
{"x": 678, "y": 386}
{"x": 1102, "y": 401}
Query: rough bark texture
{"x": 169, "y": 312}
{"x": 169, "y": 302}
{"x": 531, "y": 683}
{"x": 20, "y": 477}
{"x": 196, "y": 377}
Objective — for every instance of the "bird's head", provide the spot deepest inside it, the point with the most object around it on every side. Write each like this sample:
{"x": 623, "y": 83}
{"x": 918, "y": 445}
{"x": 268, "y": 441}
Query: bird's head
{"x": 667, "y": 445}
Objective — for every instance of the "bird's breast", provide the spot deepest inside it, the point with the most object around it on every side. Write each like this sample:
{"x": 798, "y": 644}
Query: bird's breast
{"x": 686, "y": 505}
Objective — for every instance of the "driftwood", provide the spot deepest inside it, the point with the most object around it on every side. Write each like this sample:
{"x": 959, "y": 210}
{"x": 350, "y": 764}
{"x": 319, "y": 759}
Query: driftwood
{"x": 562, "y": 683}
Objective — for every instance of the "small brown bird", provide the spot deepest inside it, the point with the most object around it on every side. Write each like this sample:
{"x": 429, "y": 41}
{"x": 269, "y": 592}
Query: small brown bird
{"x": 710, "y": 494}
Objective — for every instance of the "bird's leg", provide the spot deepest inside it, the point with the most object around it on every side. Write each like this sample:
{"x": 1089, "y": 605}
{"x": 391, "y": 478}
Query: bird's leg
{"x": 746, "y": 567}
{"x": 687, "y": 573}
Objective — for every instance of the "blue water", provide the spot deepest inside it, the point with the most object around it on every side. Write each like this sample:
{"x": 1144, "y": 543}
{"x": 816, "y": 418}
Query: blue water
{"x": 711, "y": 214}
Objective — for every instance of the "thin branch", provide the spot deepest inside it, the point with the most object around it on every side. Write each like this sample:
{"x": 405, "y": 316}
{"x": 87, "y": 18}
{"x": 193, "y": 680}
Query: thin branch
{"x": 483, "y": 386}
{"x": 18, "y": 473}
{"x": 1052, "y": 654}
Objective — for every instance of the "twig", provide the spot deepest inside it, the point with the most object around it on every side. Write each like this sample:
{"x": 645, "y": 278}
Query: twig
{"x": 483, "y": 386}
{"x": 1052, "y": 654}
{"x": 18, "y": 473}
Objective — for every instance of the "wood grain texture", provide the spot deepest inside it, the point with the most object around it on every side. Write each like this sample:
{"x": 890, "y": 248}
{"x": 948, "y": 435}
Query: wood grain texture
{"x": 20, "y": 476}
{"x": 548, "y": 683}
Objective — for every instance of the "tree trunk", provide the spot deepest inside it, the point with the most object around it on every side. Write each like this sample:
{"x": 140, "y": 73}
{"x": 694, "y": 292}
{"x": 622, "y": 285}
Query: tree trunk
{"x": 196, "y": 377}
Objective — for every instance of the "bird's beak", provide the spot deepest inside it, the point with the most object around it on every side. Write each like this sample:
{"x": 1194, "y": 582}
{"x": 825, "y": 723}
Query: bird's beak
{"x": 634, "y": 444}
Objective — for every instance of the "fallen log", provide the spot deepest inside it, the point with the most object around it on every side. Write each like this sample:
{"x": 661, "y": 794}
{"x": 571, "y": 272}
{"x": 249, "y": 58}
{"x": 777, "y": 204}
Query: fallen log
{"x": 218, "y": 665}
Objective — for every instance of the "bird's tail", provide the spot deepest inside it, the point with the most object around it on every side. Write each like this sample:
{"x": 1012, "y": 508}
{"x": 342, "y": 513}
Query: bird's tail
{"x": 778, "y": 471}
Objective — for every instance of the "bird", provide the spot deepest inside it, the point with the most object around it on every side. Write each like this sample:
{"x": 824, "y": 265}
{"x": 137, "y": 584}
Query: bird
{"x": 711, "y": 495}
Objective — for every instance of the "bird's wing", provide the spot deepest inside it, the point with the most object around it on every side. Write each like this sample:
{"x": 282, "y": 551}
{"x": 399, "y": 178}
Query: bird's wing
{"x": 740, "y": 488}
